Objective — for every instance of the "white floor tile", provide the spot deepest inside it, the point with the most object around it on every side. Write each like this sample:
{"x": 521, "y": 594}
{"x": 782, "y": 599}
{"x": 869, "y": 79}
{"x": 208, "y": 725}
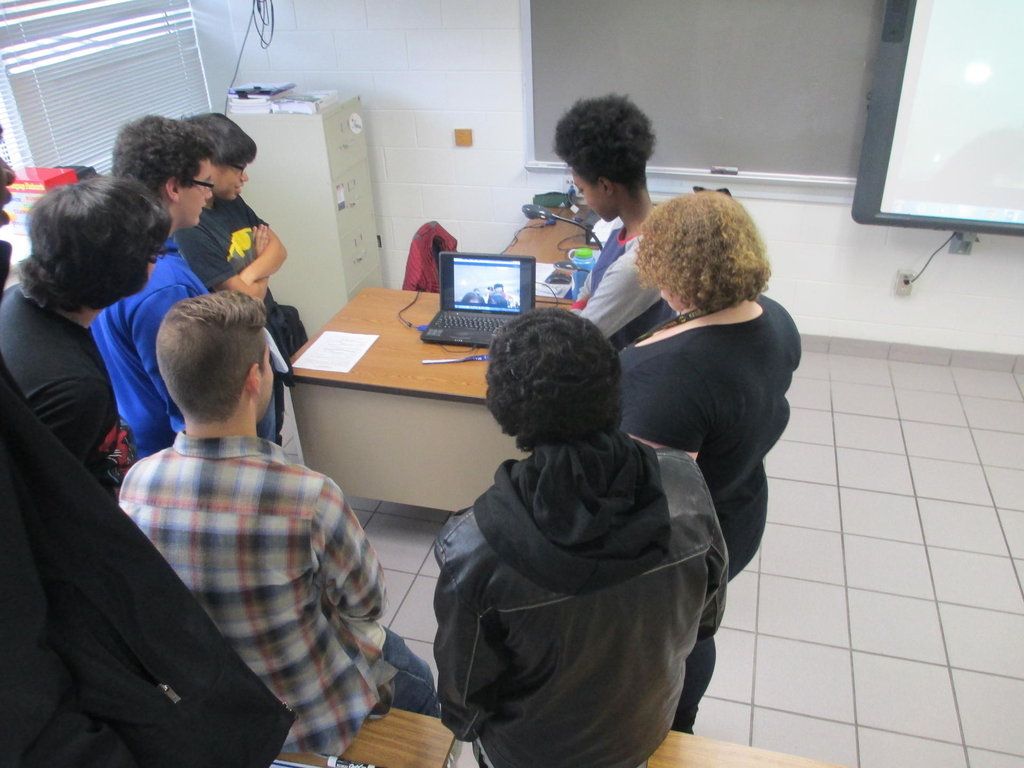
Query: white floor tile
{"x": 981, "y": 758}
{"x": 962, "y": 526}
{"x": 979, "y": 383}
{"x": 802, "y": 553}
{"x": 401, "y": 542}
{"x": 734, "y": 666}
{"x": 882, "y": 515}
{"x": 949, "y": 480}
{"x": 810, "y": 393}
{"x": 931, "y": 407}
{"x": 811, "y": 505}
{"x": 863, "y": 399}
{"x": 398, "y": 583}
{"x": 741, "y": 602}
{"x": 803, "y": 678}
{"x": 1013, "y": 527}
{"x": 803, "y": 610}
{"x": 805, "y": 736}
{"x": 998, "y": 415}
{"x": 917, "y": 698}
{"x": 939, "y": 441}
{"x": 893, "y": 625}
{"x": 802, "y": 461}
{"x": 860, "y": 370}
{"x": 1007, "y": 487}
{"x": 984, "y": 641}
{"x": 1000, "y": 449}
{"x": 813, "y": 365}
{"x": 415, "y": 619}
{"x": 984, "y": 581}
{"x": 931, "y": 378}
{"x": 869, "y": 433}
{"x": 874, "y": 471}
{"x": 990, "y": 708}
{"x": 358, "y": 502}
{"x": 882, "y": 749}
{"x": 809, "y": 426}
{"x": 430, "y": 566}
{"x": 723, "y": 720}
{"x": 887, "y": 566}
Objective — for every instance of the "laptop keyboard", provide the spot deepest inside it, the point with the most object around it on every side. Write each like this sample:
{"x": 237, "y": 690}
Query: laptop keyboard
{"x": 470, "y": 321}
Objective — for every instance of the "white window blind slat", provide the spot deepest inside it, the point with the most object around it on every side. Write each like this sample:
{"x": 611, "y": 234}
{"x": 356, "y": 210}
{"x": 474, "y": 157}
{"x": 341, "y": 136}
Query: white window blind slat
{"x": 74, "y": 71}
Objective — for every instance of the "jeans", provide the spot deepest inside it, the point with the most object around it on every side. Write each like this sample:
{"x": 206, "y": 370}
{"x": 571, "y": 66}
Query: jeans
{"x": 414, "y": 683}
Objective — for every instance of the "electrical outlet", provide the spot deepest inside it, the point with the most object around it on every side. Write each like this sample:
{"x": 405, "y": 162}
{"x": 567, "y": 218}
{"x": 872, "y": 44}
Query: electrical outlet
{"x": 904, "y": 282}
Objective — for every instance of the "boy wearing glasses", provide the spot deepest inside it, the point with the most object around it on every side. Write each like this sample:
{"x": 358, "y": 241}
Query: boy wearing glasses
{"x": 232, "y": 248}
{"x": 172, "y": 160}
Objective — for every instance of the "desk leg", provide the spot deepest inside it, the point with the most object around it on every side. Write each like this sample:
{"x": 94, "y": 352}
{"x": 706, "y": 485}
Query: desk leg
{"x": 410, "y": 450}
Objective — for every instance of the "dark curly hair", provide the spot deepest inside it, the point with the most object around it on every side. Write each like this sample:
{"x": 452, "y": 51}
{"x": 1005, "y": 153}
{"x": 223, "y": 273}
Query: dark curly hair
{"x": 154, "y": 149}
{"x": 92, "y": 243}
{"x": 705, "y": 249}
{"x": 553, "y": 378}
{"x": 231, "y": 145}
{"x": 607, "y": 136}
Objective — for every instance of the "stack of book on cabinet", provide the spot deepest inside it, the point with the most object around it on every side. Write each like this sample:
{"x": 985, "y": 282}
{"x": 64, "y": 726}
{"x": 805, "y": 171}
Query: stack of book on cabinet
{"x": 277, "y": 97}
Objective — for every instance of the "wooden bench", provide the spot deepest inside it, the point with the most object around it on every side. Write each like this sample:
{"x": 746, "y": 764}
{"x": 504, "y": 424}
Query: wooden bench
{"x": 406, "y": 740}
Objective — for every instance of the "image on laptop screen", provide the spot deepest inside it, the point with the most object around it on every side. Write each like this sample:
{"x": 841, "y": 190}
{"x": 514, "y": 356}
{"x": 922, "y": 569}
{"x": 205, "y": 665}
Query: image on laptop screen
{"x": 489, "y": 285}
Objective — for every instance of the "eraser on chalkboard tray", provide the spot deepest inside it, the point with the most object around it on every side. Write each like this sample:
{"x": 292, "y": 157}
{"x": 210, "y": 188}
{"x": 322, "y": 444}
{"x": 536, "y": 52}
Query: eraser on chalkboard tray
{"x": 725, "y": 170}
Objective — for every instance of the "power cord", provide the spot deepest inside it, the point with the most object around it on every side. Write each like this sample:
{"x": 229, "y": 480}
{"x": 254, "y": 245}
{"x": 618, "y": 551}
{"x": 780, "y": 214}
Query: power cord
{"x": 261, "y": 17}
{"x": 944, "y": 244}
{"x": 405, "y": 322}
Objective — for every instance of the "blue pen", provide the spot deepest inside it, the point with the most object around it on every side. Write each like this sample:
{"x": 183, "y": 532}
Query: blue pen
{"x": 455, "y": 359}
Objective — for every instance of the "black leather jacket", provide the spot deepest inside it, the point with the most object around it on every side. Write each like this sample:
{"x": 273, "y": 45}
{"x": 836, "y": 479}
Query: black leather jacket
{"x": 549, "y": 669}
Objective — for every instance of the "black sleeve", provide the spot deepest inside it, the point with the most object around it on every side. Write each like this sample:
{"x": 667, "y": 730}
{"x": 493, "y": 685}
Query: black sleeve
{"x": 205, "y": 254}
{"x": 69, "y": 407}
{"x": 42, "y": 722}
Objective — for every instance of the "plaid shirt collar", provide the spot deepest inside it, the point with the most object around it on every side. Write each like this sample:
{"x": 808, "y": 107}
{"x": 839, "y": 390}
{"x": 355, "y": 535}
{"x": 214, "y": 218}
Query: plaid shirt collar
{"x": 231, "y": 447}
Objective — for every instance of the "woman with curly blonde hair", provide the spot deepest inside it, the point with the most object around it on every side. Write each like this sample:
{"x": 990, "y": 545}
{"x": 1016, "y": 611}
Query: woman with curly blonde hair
{"x": 712, "y": 381}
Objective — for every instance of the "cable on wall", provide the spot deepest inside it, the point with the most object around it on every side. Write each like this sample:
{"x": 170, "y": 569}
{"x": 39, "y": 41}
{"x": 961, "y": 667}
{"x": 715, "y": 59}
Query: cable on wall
{"x": 261, "y": 18}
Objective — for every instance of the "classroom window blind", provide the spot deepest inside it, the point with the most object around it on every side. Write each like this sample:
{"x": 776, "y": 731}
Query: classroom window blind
{"x": 74, "y": 71}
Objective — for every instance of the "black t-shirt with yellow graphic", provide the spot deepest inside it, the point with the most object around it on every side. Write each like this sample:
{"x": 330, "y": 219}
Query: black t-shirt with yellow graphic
{"x": 221, "y": 245}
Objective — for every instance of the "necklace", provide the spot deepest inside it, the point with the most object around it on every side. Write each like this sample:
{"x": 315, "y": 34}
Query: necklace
{"x": 682, "y": 319}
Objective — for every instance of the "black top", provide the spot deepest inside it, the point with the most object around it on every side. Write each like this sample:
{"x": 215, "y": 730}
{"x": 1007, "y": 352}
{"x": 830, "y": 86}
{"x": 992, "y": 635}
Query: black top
{"x": 221, "y": 245}
{"x": 719, "y": 391}
{"x": 59, "y": 369}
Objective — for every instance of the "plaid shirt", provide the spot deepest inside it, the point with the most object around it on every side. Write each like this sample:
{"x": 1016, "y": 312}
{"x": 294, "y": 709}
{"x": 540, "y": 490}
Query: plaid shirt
{"x": 275, "y": 555}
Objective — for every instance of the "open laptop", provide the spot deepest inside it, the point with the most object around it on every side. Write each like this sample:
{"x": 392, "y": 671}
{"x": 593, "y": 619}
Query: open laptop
{"x": 480, "y": 292}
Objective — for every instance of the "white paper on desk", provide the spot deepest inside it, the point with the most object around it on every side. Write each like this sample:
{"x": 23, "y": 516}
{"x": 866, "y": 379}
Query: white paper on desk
{"x": 336, "y": 351}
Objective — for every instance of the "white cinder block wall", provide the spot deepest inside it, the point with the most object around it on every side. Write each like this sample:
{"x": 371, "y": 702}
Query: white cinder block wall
{"x": 426, "y": 67}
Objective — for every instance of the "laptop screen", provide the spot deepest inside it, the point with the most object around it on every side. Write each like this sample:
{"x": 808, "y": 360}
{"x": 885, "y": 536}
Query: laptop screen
{"x": 486, "y": 283}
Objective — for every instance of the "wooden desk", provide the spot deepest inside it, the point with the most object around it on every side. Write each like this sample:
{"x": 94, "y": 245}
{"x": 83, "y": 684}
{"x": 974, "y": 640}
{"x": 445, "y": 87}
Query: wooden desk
{"x": 681, "y": 750}
{"x": 400, "y": 740}
{"x": 394, "y": 428}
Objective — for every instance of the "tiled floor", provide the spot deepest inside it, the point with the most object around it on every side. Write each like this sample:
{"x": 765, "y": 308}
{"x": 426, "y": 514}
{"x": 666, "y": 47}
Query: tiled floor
{"x": 882, "y": 624}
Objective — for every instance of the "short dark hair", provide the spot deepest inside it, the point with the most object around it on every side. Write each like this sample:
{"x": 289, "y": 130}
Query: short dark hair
{"x": 154, "y": 149}
{"x": 607, "y": 136}
{"x": 205, "y": 348}
{"x": 92, "y": 243}
{"x": 553, "y": 378}
{"x": 231, "y": 145}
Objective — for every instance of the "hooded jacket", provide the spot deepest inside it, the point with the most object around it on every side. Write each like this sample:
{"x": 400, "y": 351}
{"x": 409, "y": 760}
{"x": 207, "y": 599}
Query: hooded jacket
{"x": 569, "y": 597}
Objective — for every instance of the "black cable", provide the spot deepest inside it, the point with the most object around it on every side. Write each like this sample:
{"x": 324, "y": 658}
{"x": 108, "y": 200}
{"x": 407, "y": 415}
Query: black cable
{"x": 238, "y": 61}
{"x": 401, "y": 319}
{"x": 563, "y": 249}
{"x": 945, "y": 242}
{"x": 263, "y": 20}
{"x": 515, "y": 237}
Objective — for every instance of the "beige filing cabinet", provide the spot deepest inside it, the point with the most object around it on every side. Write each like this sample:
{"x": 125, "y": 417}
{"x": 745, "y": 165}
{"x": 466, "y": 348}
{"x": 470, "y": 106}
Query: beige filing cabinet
{"x": 311, "y": 182}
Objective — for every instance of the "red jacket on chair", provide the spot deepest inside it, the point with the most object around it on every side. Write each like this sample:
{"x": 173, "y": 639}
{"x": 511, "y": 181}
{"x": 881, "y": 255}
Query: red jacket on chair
{"x": 421, "y": 266}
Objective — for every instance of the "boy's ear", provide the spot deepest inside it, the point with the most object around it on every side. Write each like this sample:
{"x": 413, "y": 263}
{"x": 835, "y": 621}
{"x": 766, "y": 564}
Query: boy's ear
{"x": 253, "y": 379}
{"x": 171, "y": 190}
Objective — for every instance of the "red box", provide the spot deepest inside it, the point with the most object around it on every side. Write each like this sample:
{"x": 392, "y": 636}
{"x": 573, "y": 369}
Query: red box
{"x": 29, "y": 185}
